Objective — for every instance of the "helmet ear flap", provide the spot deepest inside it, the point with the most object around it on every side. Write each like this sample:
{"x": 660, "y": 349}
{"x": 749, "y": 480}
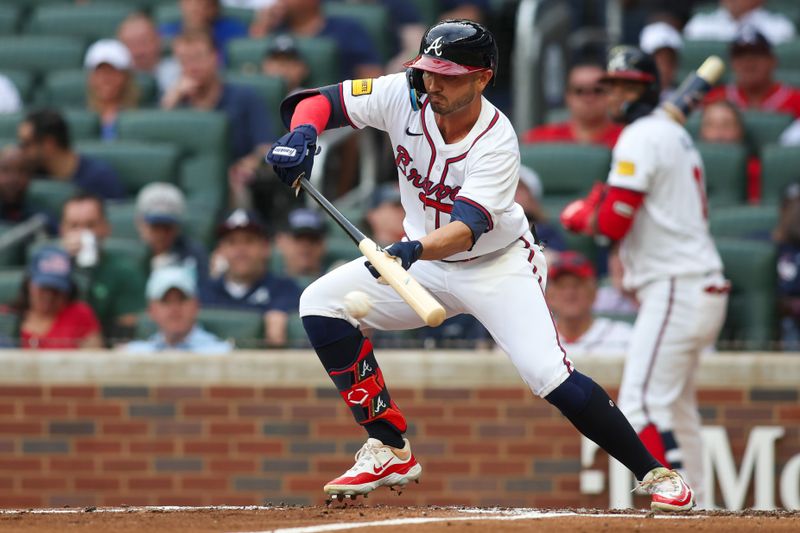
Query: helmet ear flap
{"x": 416, "y": 87}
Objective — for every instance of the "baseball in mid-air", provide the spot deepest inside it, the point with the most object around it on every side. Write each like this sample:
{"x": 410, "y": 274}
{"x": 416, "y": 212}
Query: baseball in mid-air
{"x": 357, "y": 303}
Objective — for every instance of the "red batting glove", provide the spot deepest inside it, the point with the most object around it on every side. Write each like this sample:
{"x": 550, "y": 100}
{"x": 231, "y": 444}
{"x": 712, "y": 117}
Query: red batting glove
{"x": 577, "y": 215}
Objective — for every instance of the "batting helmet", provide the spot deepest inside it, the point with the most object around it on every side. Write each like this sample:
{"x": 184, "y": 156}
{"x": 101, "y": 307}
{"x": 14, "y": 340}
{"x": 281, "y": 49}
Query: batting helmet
{"x": 452, "y": 47}
{"x": 631, "y": 64}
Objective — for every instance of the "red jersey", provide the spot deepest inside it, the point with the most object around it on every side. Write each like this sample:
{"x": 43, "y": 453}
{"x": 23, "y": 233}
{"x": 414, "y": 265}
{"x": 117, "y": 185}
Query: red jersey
{"x": 780, "y": 99}
{"x": 563, "y": 132}
{"x": 72, "y": 325}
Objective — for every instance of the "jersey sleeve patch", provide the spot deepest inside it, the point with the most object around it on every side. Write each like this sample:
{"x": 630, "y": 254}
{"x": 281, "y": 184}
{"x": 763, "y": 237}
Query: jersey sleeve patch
{"x": 361, "y": 87}
{"x": 626, "y": 168}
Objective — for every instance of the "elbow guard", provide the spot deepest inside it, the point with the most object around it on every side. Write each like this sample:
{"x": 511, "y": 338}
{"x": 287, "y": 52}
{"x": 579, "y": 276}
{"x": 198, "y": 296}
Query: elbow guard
{"x": 616, "y": 211}
{"x": 333, "y": 93}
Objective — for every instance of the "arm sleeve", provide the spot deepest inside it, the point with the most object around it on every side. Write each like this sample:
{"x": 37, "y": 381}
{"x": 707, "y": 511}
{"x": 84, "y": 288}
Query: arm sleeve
{"x": 490, "y": 184}
{"x": 475, "y": 218}
{"x": 633, "y": 162}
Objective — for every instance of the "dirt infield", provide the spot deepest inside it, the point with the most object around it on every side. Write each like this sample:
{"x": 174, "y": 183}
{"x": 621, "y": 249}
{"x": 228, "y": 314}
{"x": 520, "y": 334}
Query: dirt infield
{"x": 378, "y": 518}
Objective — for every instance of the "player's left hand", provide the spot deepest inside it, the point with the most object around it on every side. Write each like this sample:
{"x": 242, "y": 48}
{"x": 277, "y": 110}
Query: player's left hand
{"x": 578, "y": 216}
{"x": 292, "y": 156}
{"x": 406, "y": 251}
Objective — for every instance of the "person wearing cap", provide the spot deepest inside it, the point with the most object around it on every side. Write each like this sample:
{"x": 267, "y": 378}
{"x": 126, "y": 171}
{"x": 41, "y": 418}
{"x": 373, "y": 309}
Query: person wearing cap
{"x": 245, "y": 283}
{"x": 529, "y": 196}
{"x": 283, "y": 60}
{"x": 754, "y": 86}
{"x": 111, "y": 85}
{"x": 43, "y": 136}
{"x": 173, "y": 306}
{"x": 50, "y": 315}
{"x": 662, "y": 41}
{"x": 140, "y": 36}
{"x": 723, "y": 23}
{"x": 111, "y": 284}
{"x": 587, "y": 102}
{"x": 385, "y": 215}
{"x": 787, "y": 238}
{"x": 571, "y": 292}
{"x": 160, "y": 212}
{"x": 206, "y": 16}
{"x": 303, "y": 246}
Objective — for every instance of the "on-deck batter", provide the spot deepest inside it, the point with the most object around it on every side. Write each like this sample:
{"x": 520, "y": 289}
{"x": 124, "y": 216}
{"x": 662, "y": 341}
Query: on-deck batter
{"x": 468, "y": 243}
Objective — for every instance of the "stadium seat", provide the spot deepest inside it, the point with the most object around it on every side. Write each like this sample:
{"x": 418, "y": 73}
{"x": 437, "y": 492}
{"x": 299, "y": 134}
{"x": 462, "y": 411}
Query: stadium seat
{"x": 780, "y": 166}
{"x": 10, "y": 284}
{"x": 133, "y": 251}
{"x": 8, "y": 328}
{"x": 50, "y": 195}
{"x": 67, "y": 88}
{"x": 374, "y": 18}
{"x": 726, "y": 177}
{"x": 8, "y": 124}
{"x": 789, "y": 53}
{"x": 788, "y": 76}
{"x": 89, "y": 22}
{"x": 743, "y": 222}
{"x": 12, "y": 255}
{"x": 23, "y": 81}
{"x": 82, "y": 124}
{"x": 9, "y": 19}
{"x": 319, "y": 53}
{"x": 165, "y": 11}
{"x": 296, "y": 333}
{"x": 764, "y": 127}
{"x": 199, "y": 223}
{"x": 40, "y": 53}
{"x": 244, "y": 328}
{"x": 790, "y": 8}
{"x": 695, "y": 52}
{"x": 750, "y": 266}
{"x": 137, "y": 163}
{"x": 121, "y": 217}
{"x": 271, "y": 88}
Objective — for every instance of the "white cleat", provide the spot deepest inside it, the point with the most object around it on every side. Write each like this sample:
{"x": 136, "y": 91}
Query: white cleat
{"x": 376, "y": 465}
{"x": 670, "y": 492}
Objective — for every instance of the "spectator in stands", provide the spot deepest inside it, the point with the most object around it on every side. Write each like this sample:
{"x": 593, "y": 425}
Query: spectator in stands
{"x": 662, "y": 41}
{"x": 110, "y": 283}
{"x": 15, "y": 176}
{"x": 731, "y": 16}
{"x": 787, "y": 238}
{"x": 571, "y": 292}
{"x": 111, "y": 85}
{"x": 586, "y": 100}
{"x": 10, "y": 100}
{"x": 283, "y": 60}
{"x": 476, "y": 10}
{"x": 44, "y": 139}
{"x": 721, "y": 122}
{"x": 201, "y": 87}
{"x": 611, "y": 297}
{"x": 358, "y": 57}
{"x": 205, "y": 16}
{"x": 529, "y": 196}
{"x": 754, "y": 86}
{"x": 160, "y": 211}
{"x": 408, "y": 30}
{"x": 173, "y": 306}
{"x": 245, "y": 283}
{"x": 51, "y": 316}
{"x": 303, "y": 246}
{"x": 139, "y": 34}
{"x": 385, "y": 215}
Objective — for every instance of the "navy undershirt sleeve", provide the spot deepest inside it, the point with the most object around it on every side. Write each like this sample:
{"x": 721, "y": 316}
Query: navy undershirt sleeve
{"x": 473, "y": 217}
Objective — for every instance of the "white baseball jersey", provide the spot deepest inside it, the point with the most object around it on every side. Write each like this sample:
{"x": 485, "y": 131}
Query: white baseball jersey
{"x": 669, "y": 236}
{"x": 605, "y": 337}
{"x": 481, "y": 169}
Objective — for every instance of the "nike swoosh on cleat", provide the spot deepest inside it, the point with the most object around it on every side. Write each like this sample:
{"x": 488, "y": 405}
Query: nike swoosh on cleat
{"x": 408, "y": 132}
{"x": 379, "y": 469}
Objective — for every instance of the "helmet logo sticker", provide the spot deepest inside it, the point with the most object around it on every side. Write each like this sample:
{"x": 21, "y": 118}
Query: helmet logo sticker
{"x": 436, "y": 46}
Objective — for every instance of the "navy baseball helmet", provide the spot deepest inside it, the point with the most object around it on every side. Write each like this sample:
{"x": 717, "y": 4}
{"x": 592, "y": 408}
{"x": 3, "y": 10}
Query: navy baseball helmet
{"x": 631, "y": 64}
{"x": 452, "y": 48}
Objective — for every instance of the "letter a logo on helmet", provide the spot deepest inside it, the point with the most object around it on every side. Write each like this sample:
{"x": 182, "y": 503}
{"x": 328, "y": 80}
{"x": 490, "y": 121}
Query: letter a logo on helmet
{"x": 436, "y": 46}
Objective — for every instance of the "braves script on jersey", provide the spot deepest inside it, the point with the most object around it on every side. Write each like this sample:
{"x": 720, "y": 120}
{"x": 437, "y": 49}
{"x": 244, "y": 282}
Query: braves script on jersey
{"x": 669, "y": 236}
{"x": 482, "y": 168}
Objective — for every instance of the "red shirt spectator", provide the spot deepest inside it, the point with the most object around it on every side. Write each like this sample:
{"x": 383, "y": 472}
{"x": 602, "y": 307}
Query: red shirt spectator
{"x": 779, "y": 98}
{"x": 565, "y": 132}
{"x": 71, "y": 326}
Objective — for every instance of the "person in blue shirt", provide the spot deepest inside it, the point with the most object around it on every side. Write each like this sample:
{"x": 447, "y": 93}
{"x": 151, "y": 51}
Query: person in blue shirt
{"x": 173, "y": 307}
{"x": 204, "y": 15}
{"x": 43, "y": 136}
{"x": 787, "y": 238}
{"x": 15, "y": 204}
{"x": 242, "y": 255}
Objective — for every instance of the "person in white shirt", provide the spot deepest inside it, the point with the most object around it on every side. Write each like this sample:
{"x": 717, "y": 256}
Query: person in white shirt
{"x": 571, "y": 292}
{"x": 662, "y": 41}
{"x": 10, "y": 101}
{"x": 725, "y": 22}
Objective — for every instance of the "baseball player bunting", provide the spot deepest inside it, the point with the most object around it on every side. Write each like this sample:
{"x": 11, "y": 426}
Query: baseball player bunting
{"x": 654, "y": 202}
{"x": 468, "y": 243}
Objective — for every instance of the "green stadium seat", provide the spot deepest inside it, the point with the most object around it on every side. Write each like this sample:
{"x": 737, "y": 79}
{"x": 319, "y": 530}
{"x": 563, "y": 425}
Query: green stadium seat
{"x": 743, "y": 222}
{"x": 750, "y": 266}
{"x": 89, "y": 22}
{"x": 197, "y": 223}
{"x": 296, "y": 333}
{"x": 789, "y": 53}
{"x": 695, "y": 52}
{"x": 790, "y": 8}
{"x": 244, "y": 328}
{"x": 50, "y": 195}
{"x": 13, "y": 255}
{"x": 560, "y": 114}
{"x": 40, "y": 53}
{"x": 133, "y": 251}
{"x": 9, "y": 19}
{"x": 8, "y": 327}
{"x": 319, "y": 53}
{"x": 780, "y": 166}
{"x": 788, "y": 76}
{"x": 374, "y": 18}
{"x": 10, "y": 284}
{"x": 165, "y": 13}
{"x": 136, "y": 162}
{"x": 7, "y": 142}
{"x": 121, "y": 217}
{"x": 82, "y": 124}
{"x": 67, "y": 88}
{"x": 341, "y": 250}
{"x": 271, "y": 88}
{"x": 8, "y": 124}
{"x": 726, "y": 177}
{"x": 23, "y": 81}
{"x": 429, "y": 10}
{"x": 567, "y": 171}
{"x": 765, "y": 127}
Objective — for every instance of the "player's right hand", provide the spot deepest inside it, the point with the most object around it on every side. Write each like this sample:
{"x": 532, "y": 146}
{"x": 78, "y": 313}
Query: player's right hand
{"x": 292, "y": 156}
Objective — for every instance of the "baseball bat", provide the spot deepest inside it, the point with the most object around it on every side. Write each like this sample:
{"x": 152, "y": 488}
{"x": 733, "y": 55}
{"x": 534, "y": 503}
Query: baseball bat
{"x": 390, "y": 270}
{"x": 693, "y": 89}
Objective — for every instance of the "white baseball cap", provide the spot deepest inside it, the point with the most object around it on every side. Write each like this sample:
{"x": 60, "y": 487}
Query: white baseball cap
{"x": 529, "y": 178}
{"x": 109, "y": 51}
{"x": 170, "y": 277}
{"x": 659, "y": 35}
{"x": 161, "y": 203}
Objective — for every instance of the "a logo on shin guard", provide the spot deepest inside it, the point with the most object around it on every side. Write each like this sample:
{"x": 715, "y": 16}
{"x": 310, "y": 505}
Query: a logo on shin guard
{"x": 357, "y": 396}
{"x": 380, "y": 405}
{"x": 365, "y": 368}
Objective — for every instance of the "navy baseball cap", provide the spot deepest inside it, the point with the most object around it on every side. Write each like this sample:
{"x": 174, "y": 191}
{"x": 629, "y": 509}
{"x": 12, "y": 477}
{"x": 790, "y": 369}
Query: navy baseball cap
{"x": 51, "y": 267}
{"x": 385, "y": 194}
{"x": 242, "y": 219}
{"x": 283, "y": 45}
{"x": 306, "y": 222}
{"x": 750, "y": 41}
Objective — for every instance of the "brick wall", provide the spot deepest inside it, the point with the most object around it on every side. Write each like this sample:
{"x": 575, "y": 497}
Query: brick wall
{"x": 84, "y": 442}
